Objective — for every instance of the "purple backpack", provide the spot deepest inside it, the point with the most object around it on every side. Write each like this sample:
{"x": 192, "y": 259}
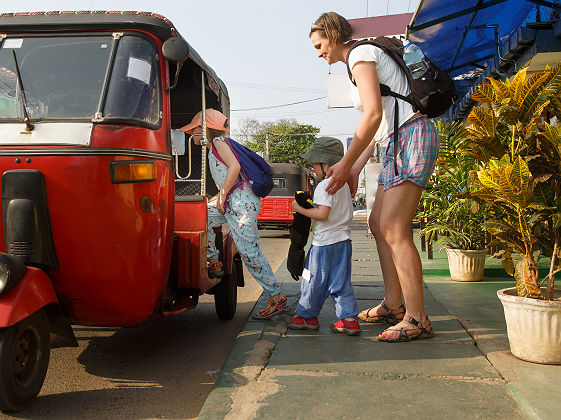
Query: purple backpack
{"x": 254, "y": 168}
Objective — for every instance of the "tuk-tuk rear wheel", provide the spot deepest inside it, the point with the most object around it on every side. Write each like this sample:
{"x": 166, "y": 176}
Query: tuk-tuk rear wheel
{"x": 24, "y": 359}
{"x": 226, "y": 295}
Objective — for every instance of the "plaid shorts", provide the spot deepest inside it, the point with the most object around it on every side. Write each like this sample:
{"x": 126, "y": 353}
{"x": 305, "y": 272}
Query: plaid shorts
{"x": 416, "y": 156}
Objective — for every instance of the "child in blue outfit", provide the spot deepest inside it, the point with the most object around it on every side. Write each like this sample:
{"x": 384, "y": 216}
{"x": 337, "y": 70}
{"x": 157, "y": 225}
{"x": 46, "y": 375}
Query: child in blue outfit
{"x": 327, "y": 269}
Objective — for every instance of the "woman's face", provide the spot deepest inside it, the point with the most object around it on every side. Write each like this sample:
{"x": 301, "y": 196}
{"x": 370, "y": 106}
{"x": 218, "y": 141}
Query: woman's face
{"x": 322, "y": 47}
{"x": 197, "y": 135}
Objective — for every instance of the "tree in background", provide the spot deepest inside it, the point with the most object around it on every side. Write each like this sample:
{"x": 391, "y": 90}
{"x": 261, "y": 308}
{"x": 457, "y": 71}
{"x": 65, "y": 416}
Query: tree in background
{"x": 287, "y": 139}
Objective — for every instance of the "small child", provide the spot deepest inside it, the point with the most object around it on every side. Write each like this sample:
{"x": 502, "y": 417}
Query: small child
{"x": 328, "y": 263}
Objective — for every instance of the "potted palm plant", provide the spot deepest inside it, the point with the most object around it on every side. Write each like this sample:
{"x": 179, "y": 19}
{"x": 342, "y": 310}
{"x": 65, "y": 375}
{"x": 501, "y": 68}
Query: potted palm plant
{"x": 456, "y": 220}
{"x": 521, "y": 180}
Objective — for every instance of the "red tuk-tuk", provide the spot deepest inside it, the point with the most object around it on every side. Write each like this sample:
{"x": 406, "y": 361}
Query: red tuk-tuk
{"x": 104, "y": 215}
{"x": 276, "y": 208}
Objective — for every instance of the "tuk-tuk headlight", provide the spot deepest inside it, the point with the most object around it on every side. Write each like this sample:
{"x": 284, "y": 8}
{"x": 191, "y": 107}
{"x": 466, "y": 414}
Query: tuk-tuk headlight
{"x": 4, "y": 273}
{"x": 11, "y": 272}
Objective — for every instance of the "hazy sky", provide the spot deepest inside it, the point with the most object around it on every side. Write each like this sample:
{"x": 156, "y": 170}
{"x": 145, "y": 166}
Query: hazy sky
{"x": 260, "y": 49}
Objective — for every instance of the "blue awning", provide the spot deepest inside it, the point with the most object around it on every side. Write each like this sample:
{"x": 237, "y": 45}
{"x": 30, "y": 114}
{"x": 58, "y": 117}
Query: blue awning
{"x": 460, "y": 36}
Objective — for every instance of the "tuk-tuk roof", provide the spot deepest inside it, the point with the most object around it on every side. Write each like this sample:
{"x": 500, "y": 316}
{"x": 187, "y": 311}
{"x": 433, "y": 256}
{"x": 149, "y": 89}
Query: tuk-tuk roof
{"x": 286, "y": 168}
{"x": 54, "y": 21}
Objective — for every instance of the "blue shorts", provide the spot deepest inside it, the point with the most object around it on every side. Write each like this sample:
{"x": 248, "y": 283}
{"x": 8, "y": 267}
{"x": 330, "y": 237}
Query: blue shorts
{"x": 418, "y": 146}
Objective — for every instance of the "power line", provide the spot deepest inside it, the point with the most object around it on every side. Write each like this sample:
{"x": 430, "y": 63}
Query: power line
{"x": 301, "y": 134}
{"x": 289, "y": 114}
{"x": 278, "y": 106}
{"x": 250, "y": 85}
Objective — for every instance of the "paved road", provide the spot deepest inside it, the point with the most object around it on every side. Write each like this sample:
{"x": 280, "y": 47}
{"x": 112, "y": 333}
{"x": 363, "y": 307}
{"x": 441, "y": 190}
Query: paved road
{"x": 164, "y": 369}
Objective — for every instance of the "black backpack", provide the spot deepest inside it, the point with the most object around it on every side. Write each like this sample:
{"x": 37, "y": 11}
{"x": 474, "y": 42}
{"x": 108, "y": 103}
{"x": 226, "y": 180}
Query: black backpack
{"x": 432, "y": 94}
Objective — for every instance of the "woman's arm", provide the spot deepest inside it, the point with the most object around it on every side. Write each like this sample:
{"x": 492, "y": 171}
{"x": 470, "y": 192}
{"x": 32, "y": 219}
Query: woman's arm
{"x": 358, "y": 165}
{"x": 231, "y": 175}
{"x": 366, "y": 77}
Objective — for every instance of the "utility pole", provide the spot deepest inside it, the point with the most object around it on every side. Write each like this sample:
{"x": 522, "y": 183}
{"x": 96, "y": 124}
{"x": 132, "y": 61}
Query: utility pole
{"x": 267, "y": 146}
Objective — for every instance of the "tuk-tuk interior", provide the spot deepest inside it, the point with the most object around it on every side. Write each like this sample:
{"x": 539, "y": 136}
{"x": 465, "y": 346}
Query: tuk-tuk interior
{"x": 185, "y": 102}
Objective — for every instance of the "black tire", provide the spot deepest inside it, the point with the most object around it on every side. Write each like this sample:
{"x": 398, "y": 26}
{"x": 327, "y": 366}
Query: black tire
{"x": 24, "y": 359}
{"x": 226, "y": 295}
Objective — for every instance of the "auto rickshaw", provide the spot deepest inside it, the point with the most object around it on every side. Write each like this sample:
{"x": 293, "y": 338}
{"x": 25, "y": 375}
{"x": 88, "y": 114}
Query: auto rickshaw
{"x": 104, "y": 215}
{"x": 276, "y": 208}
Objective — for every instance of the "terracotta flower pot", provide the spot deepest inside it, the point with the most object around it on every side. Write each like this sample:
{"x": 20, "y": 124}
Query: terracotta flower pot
{"x": 466, "y": 265}
{"x": 533, "y": 326}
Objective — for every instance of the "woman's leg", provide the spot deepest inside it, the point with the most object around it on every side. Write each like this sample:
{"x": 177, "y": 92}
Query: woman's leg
{"x": 392, "y": 286}
{"x": 242, "y": 219}
{"x": 215, "y": 219}
{"x": 399, "y": 207}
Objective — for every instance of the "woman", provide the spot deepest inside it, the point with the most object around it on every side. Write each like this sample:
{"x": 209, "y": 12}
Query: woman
{"x": 398, "y": 196}
{"x": 237, "y": 205}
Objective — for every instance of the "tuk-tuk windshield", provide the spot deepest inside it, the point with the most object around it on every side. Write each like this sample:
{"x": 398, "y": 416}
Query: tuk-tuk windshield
{"x": 63, "y": 78}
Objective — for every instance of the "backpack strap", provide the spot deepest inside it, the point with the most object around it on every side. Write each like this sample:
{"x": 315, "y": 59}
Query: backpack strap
{"x": 241, "y": 179}
{"x": 387, "y": 45}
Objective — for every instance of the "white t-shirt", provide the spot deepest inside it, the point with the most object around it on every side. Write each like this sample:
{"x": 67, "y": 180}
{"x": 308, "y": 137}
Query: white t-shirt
{"x": 336, "y": 227}
{"x": 390, "y": 74}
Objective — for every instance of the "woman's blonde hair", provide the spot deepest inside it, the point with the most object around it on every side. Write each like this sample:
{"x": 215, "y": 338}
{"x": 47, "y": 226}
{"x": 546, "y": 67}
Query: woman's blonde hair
{"x": 334, "y": 27}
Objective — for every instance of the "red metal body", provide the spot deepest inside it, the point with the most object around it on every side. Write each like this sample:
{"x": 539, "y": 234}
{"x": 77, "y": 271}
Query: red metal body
{"x": 276, "y": 210}
{"x": 31, "y": 293}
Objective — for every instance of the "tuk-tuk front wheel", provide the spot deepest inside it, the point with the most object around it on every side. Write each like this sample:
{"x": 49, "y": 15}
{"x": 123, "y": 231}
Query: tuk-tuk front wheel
{"x": 226, "y": 295}
{"x": 24, "y": 359}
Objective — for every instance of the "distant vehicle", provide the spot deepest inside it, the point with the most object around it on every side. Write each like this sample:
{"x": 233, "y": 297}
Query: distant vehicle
{"x": 276, "y": 208}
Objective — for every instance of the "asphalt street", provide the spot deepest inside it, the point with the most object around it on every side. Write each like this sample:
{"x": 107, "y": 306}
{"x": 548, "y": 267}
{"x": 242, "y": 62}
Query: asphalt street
{"x": 164, "y": 369}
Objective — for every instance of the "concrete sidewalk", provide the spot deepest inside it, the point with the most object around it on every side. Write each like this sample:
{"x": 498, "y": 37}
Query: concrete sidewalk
{"x": 466, "y": 371}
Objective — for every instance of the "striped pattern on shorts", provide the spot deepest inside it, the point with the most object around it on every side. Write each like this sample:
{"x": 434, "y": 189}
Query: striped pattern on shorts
{"x": 416, "y": 157}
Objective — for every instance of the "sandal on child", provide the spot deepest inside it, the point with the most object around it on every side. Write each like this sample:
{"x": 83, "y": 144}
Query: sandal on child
{"x": 389, "y": 318}
{"x": 423, "y": 330}
{"x": 300, "y": 323}
{"x": 271, "y": 309}
{"x": 214, "y": 269}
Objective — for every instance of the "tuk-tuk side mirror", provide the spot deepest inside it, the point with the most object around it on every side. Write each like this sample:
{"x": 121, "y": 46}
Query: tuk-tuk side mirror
{"x": 176, "y": 50}
{"x": 178, "y": 142}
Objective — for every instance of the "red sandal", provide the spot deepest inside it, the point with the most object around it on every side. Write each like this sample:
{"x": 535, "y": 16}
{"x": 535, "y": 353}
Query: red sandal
{"x": 214, "y": 269}
{"x": 299, "y": 323}
{"x": 346, "y": 327}
{"x": 271, "y": 309}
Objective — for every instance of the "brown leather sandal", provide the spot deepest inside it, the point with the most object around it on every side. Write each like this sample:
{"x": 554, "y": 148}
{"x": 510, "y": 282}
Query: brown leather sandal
{"x": 424, "y": 329}
{"x": 389, "y": 318}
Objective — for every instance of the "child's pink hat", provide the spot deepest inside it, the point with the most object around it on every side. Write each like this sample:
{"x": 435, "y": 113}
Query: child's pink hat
{"x": 214, "y": 119}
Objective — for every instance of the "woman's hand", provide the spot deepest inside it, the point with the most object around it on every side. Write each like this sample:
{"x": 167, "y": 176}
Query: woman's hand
{"x": 220, "y": 203}
{"x": 353, "y": 183}
{"x": 339, "y": 173}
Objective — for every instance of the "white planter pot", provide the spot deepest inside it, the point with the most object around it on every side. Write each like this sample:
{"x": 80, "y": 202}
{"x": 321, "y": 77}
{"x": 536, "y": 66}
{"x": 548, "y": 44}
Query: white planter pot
{"x": 466, "y": 265}
{"x": 533, "y": 326}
